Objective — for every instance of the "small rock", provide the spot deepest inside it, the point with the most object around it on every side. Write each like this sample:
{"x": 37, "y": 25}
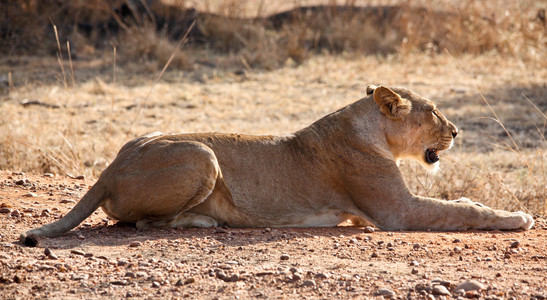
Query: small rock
{"x": 130, "y": 274}
{"x": 18, "y": 279}
{"x": 308, "y": 283}
{"x": 321, "y": 276}
{"x": 22, "y": 182}
{"x": 77, "y": 252}
{"x": 15, "y": 214}
{"x": 414, "y": 271}
{"x": 50, "y": 254}
{"x": 5, "y": 210}
{"x": 385, "y": 293}
{"x": 135, "y": 244}
{"x": 80, "y": 236}
{"x": 284, "y": 257}
{"x": 440, "y": 290}
{"x": 515, "y": 244}
{"x": 141, "y": 274}
{"x": 31, "y": 195}
{"x": 414, "y": 263}
{"x": 231, "y": 278}
{"x": 296, "y": 270}
{"x": 49, "y": 175}
{"x": 456, "y": 241}
{"x": 122, "y": 263}
{"x": 369, "y": 229}
{"x": 416, "y": 246}
{"x": 155, "y": 284}
{"x": 221, "y": 275}
{"x": 78, "y": 277}
{"x": 67, "y": 201}
{"x": 189, "y": 280}
{"x": 296, "y": 277}
{"x": 471, "y": 285}
{"x": 179, "y": 283}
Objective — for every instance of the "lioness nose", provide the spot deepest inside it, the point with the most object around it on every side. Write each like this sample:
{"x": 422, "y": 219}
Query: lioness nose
{"x": 454, "y": 132}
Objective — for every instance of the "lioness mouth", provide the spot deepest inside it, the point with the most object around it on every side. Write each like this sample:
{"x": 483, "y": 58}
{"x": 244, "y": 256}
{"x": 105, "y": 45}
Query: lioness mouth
{"x": 431, "y": 156}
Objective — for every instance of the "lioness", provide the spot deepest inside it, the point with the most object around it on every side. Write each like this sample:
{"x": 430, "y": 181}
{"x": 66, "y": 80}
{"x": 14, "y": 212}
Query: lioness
{"x": 342, "y": 167}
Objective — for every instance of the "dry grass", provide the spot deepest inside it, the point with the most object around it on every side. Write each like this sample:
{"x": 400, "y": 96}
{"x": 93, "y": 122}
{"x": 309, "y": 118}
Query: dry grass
{"x": 252, "y": 31}
{"x": 75, "y": 118}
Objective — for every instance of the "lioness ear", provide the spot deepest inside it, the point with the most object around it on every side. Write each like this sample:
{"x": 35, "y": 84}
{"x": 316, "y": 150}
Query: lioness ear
{"x": 370, "y": 89}
{"x": 391, "y": 104}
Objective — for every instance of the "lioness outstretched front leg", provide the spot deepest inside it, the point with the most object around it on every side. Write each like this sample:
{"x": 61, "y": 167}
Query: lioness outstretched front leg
{"x": 396, "y": 208}
{"x": 428, "y": 213}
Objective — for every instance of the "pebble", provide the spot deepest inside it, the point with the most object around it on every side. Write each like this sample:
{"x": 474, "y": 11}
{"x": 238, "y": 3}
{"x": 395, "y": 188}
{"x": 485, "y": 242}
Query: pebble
{"x": 308, "y": 283}
{"x": 50, "y": 254}
{"x": 368, "y": 229}
{"x": 77, "y": 252}
{"x": 471, "y": 285}
{"x": 385, "y": 292}
{"x": 515, "y": 244}
{"x": 122, "y": 263}
{"x": 31, "y": 195}
{"x": 67, "y": 201}
{"x": 22, "y": 182}
{"x": 135, "y": 244}
{"x": 155, "y": 284}
{"x": 284, "y": 257}
{"x": 15, "y": 214}
{"x": 130, "y": 274}
{"x": 321, "y": 276}
{"x": 5, "y": 210}
{"x": 141, "y": 274}
{"x": 231, "y": 278}
{"x": 440, "y": 290}
{"x": 296, "y": 270}
{"x": 414, "y": 271}
{"x": 189, "y": 280}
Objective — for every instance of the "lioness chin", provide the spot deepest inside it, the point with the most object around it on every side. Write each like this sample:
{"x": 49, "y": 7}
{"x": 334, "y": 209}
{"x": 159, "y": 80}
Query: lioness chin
{"x": 342, "y": 167}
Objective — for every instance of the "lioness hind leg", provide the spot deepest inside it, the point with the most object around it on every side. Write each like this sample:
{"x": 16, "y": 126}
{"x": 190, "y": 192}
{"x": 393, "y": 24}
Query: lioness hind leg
{"x": 184, "y": 219}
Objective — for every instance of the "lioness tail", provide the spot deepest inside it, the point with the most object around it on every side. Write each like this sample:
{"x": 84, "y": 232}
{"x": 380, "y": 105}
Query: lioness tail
{"x": 87, "y": 205}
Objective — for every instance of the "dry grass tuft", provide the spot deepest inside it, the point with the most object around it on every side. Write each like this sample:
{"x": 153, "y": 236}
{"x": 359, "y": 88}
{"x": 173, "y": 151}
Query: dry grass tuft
{"x": 144, "y": 44}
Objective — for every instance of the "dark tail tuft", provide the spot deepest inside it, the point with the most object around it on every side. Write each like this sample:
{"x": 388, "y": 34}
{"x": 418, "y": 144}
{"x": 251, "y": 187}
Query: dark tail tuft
{"x": 30, "y": 240}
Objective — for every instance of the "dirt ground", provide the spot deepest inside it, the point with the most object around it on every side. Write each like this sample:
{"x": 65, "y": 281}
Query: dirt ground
{"x": 104, "y": 259}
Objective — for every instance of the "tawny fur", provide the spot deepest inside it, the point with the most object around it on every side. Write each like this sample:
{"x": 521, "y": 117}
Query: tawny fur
{"x": 342, "y": 167}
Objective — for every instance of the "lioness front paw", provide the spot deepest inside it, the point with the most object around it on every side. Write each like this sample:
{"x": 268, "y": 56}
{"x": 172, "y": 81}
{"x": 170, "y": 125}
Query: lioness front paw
{"x": 523, "y": 220}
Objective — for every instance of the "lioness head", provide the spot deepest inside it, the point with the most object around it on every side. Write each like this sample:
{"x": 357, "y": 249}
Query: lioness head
{"x": 415, "y": 128}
